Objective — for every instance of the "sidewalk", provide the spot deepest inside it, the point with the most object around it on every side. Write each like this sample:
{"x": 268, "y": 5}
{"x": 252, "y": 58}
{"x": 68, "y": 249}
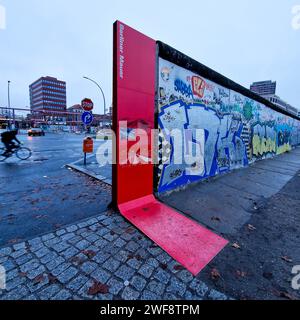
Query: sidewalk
{"x": 93, "y": 169}
{"x": 102, "y": 258}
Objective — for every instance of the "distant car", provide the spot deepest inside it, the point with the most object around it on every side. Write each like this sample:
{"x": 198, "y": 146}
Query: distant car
{"x": 35, "y": 132}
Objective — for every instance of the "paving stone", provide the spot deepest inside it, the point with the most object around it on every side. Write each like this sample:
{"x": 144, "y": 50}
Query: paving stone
{"x": 92, "y": 238}
{"x": 134, "y": 263}
{"x": 48, "y": 237}
{"x": 72, "y": 228}
{"x": 60, "y": 232}
{"x": 130, "y": 294}
{"x": 59, "y": 247}
{"x": 148, "y": 295}
{"x": 156, "y": 287}
{"x": 35, "y": 286}
{"x": 5, "y": 251}
{"x": 32, "y": 297}
{"x": 164, "y": 258}
{"x": 88, "y": 267}
{"x": 101, "y": 217}
{"x": 122, "y": 256}
{"x": 170, "y": 296}
{"x": 125, "y": 273}
{"x": 154, "y": 250}
{"x": 42, "y": 252}
{"x": 103, "y": 231}
{"x": 153, "y": 262}
{"x": 83, "y": 244}
{"x": 189, "y": 296}
{"x": 119, "y": 243}
{"x": 107, "y": 221}
{"x": 110, "y": 237}
{"x": 49, "y": 292}
{"x": 55, "y": 263}
{"x": 111, "y": 249}
{"x": 199, "y": 286}
{"x": 36, "y": 247}
{"x": 95, "y": 227}
{"x": 14, "y": 283}
{"x": 35, "y": 241}
{"x": 61, "y": 268}
{"x": 23, "y": 259}
{"x": 19, "y": 246}
{"x": 74, "y": 240}
{"x": 176, "y": 287}
{"x": 12, "y": 274}
{"x": 49, "y": 257}
{"x": 115, "y": 286}
{"x": 111, "y": 265}
{"x": 17, "y": 294}
{"x": 101, "y": 275}
{"x": 185, "y": 276}
{"x": 138, "y": 283}
{"x": 100, "y": 257}
{"x": 77, "y": 283}
{"x": 62, "y": 295}
{"x": 82, "y": 225}
{"x": 30, "y": 265}
{"x": 32, "y": 274}
{"x": 52, "y": 242}
{"x": 101, "y": 243}
{"x": 19, "y": 253}
{"x": 8, "y": 265}
{"x": 83, "y": 291}
{"x": 70, "y": 252}
{"x": 162, "y": 276}
{"x": 126, "y": 236}
{"x": 132, "y": 246}
{"x": 67, "y": 236}
{"x": 146, "y": 270}
{"x": 67, "y": 275}
{"x": 216, "y": 295}
{"x": 142, "y": 253}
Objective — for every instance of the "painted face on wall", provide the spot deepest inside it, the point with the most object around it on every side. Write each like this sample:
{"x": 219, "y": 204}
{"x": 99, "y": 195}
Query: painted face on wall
{"x": 165, "y": 74}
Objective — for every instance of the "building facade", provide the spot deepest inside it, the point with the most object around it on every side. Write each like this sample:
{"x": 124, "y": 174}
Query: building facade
{"x": 264, "y": 87}
{"x": 48, "y": 98}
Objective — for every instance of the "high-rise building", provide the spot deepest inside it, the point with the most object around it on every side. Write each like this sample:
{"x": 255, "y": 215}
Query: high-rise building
{"x": 267, "y": 90}
{"x": 264, "y": 87}
{"x": 48, "y": 95}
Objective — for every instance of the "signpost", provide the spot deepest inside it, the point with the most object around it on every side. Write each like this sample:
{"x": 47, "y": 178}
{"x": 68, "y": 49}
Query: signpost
{"x": 87, "y": 118}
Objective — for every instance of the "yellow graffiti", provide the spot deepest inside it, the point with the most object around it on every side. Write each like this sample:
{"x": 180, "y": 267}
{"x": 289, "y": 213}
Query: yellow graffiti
{"x": 284, "y": 148}
{"x": 262, "y": 146}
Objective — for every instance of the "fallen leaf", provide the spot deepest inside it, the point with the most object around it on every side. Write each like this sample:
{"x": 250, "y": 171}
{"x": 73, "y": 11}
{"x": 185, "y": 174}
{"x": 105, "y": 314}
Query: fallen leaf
{"x": 215, "y": 274}
{"x": 215, "y": 219}
{"x": 52, "y": 278}
{"x": 22, "y": 274}
{"x": 163, "y": 266}
{"x": 178, "y": 267}
{"x": 98, "y": 287}
{"x": 89, "y": 253}
{"x": 241, "y": 274}
{"x": 287, "y": 259}
{"x": 236, "y": 246}
{"x": 39, "y": 279}
{"x": 287, "y": 296}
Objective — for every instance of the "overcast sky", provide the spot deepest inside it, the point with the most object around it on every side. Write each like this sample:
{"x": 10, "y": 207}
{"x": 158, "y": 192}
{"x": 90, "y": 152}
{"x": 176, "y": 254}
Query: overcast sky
{"x": 244, "y": 40}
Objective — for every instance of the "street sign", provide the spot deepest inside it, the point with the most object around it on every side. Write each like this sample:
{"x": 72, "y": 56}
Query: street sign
{"x": 87, "y": 104}
{"x": 87, "y": 118}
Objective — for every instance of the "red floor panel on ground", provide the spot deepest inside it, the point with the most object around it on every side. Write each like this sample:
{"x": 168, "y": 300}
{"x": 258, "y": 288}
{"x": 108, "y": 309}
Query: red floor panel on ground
{"x": 186, "y": 241}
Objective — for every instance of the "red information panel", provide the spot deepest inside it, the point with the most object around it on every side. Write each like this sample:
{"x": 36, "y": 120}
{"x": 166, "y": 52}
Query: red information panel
{"x": 134, "y": 99}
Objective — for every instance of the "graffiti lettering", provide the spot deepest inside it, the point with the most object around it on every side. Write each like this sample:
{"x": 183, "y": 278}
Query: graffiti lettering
{"x": 183, "y": 88}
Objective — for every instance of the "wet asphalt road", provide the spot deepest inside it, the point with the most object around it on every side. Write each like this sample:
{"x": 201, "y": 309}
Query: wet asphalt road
{"x": 40, "y": 195}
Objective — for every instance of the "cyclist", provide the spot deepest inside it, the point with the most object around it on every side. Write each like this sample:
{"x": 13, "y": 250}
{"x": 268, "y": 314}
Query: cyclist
{"x": 8, "y": 138}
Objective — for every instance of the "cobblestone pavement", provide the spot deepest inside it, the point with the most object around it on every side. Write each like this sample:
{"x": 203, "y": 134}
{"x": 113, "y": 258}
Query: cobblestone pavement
{"x": 102, "y": 258}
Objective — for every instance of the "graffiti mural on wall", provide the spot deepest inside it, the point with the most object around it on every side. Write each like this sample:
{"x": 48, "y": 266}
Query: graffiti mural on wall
{"x": 235, "y": 129}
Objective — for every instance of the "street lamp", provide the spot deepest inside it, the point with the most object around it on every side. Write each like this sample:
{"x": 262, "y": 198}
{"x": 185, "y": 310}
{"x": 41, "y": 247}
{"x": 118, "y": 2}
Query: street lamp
{"x": 8, "y": 102}
{"x": 100, "y": 90}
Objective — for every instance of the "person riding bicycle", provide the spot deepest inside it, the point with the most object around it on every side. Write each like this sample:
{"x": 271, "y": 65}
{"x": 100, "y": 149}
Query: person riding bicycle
{"x": 8, "y": 138}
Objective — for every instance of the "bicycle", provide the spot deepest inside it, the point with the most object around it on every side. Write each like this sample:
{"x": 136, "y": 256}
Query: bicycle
{"x": 21, "y": 153}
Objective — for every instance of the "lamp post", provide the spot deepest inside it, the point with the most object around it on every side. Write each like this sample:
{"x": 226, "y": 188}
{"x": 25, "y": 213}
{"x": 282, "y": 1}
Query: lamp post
{"x": 100, "y": 90}
{"x": 8, "y": 102}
